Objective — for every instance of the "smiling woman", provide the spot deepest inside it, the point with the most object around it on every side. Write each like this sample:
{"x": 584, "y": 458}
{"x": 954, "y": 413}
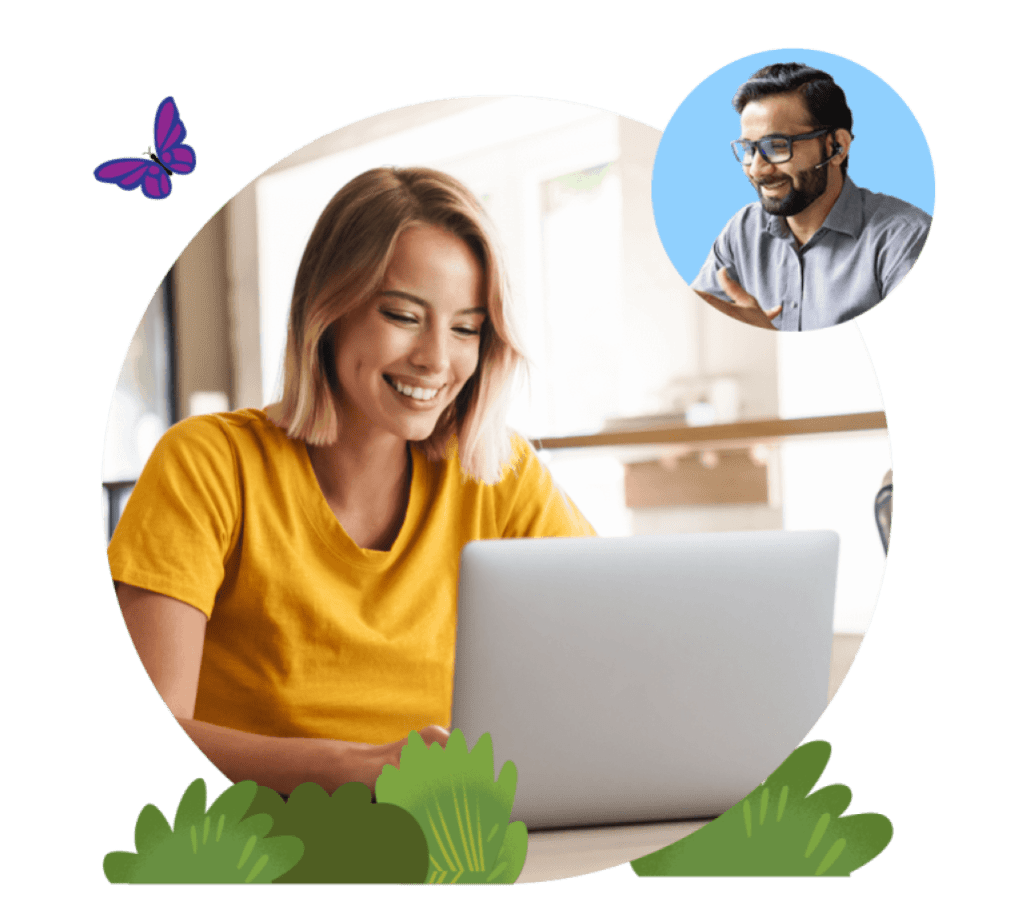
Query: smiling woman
{"x": 289, "y": 575}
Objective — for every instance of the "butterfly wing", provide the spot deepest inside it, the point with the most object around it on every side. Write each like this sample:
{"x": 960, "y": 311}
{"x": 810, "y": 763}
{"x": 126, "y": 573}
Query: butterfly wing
{"x": 169, "y": 135}
{"x": 128, "y": 173}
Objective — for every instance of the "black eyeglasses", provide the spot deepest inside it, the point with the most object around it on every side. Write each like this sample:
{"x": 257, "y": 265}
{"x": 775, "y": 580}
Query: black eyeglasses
{"x": 773, "y": 149}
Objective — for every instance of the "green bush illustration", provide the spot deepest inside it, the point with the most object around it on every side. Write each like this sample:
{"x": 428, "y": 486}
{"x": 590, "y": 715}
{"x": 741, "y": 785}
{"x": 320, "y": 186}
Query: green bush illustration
{"x": 347, "y": 837}
{"x": 779, "y": 829}
{"x": 462, "y": 810}
{"x": 218, "y": 845}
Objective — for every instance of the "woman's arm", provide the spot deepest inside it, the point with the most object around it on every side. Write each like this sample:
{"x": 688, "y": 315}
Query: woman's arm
{"x": 169, "y": 636}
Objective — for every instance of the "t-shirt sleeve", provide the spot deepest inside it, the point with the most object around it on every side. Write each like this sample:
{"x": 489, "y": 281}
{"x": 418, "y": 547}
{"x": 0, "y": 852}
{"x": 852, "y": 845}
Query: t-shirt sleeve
{"x": 531, "y": 504}
{"x": 901, "y": 252}
{"x": 182, "y": 518}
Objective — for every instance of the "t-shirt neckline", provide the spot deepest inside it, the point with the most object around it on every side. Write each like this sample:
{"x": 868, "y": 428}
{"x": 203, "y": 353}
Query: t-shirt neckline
{"x": 326, "y": 523}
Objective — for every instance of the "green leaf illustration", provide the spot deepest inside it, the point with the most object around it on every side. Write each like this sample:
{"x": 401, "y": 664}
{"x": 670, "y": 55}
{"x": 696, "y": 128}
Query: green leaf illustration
{"x": 347, "y": 838}
{"x": 778, "y": 829}
{"x": 212, "y": 846}
{"x": 462, "y": 810}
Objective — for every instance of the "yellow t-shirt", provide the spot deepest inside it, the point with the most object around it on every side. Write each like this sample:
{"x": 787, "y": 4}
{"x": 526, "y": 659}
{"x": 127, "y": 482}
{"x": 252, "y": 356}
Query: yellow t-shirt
{"x": 308, "y": 634}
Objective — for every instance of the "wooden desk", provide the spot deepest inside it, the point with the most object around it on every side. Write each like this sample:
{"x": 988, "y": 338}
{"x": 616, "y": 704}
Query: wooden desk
{"x": 577, "y": 851}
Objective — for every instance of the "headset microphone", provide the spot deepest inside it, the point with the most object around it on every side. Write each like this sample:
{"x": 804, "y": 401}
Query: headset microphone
{"x": 838, "y": 151}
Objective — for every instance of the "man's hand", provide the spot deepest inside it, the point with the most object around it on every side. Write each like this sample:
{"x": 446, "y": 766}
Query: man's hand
{"x": 742, "y": 306}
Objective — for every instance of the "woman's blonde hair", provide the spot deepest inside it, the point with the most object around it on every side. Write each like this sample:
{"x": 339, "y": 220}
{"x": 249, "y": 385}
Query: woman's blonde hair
{"x": 343, "y": 267}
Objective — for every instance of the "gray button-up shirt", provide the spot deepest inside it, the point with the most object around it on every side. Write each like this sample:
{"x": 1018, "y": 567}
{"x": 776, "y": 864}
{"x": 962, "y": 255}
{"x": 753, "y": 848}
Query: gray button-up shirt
{"x": 866, "y": 245}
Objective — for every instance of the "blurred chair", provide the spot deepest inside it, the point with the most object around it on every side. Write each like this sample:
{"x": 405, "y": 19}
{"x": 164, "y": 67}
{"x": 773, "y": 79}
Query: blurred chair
{"x": 883, "y": 510}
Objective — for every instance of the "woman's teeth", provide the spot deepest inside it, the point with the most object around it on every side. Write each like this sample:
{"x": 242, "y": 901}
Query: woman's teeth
{"x": 412, "y": 391}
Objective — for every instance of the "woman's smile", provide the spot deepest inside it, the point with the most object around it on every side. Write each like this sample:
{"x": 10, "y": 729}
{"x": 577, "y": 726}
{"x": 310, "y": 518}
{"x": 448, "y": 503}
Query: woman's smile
{"x": 417, "y": 393}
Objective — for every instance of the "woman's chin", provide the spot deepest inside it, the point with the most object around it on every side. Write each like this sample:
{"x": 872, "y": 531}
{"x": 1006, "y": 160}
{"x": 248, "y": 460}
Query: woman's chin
{"x": 419, "y": 430}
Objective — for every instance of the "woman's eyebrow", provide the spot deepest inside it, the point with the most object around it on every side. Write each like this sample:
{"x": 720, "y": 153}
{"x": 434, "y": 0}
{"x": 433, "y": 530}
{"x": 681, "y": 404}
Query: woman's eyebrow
{"x": 412, "y": 298}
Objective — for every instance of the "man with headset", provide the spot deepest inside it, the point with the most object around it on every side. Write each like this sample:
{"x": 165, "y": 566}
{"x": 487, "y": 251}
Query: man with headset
{"x": 816, "y": 250}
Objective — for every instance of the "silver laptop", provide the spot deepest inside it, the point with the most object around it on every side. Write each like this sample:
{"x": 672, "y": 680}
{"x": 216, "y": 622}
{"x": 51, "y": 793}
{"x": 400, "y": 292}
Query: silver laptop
{"x": 643, "y": 678}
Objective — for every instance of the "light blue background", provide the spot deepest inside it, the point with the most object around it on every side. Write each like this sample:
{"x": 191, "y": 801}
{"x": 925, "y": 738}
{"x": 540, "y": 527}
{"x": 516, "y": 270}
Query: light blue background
{"x": 697, "y": 184}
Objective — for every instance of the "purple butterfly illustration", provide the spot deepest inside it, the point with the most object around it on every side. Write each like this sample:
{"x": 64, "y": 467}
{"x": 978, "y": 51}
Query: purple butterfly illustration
{"x": 153, "y": 174}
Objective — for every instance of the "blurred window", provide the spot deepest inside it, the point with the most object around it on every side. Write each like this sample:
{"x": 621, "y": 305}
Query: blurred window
{"x": 143, "y": 404}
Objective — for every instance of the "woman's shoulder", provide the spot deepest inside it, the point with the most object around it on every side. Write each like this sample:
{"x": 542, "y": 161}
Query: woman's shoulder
{"x": 226, "y": 430}
{"x": 229, "y": 446}
{"x": 211, "y": 458}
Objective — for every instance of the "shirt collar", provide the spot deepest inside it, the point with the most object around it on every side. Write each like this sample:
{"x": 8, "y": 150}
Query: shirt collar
{"x": 846, "y": 216}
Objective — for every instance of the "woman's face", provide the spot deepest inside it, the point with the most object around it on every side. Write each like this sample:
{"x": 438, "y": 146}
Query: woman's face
{"x": 403, "y": 359}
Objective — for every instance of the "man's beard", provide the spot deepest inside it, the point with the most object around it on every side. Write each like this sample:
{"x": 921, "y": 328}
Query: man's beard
{"x": 812, "y": 183}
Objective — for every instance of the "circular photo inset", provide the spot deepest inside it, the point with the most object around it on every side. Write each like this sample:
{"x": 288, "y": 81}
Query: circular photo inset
{"x": 793, "y": 190}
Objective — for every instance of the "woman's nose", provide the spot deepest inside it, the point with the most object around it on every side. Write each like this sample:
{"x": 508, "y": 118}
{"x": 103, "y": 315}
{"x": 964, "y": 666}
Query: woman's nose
{"x": 431, "y": 352}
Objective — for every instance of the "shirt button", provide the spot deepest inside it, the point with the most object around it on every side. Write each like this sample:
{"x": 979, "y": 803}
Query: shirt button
{"x": 792, "y": 306}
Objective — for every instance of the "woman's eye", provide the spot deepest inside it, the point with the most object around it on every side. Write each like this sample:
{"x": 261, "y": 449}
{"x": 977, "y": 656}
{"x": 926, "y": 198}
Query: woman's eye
{"x": 466, "y": 330}
{"x": 403, "y": 318}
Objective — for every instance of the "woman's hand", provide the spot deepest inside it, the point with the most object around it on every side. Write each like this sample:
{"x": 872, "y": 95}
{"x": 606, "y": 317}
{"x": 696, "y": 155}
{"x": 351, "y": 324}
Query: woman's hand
{"x": 391, "y": 753}
{"x": 433, "y": 734}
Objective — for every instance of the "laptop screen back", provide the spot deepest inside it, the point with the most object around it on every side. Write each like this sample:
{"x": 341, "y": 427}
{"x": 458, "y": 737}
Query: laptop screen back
{"x": 643, "y": 678}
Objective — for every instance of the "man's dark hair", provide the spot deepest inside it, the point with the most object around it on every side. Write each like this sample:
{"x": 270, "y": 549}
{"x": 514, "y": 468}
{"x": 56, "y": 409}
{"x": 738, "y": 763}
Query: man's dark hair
{"x": 824, "y": 100}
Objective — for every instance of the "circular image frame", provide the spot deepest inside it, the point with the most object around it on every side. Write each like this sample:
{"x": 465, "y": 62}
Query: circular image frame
{"x": 697, "y": 186}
